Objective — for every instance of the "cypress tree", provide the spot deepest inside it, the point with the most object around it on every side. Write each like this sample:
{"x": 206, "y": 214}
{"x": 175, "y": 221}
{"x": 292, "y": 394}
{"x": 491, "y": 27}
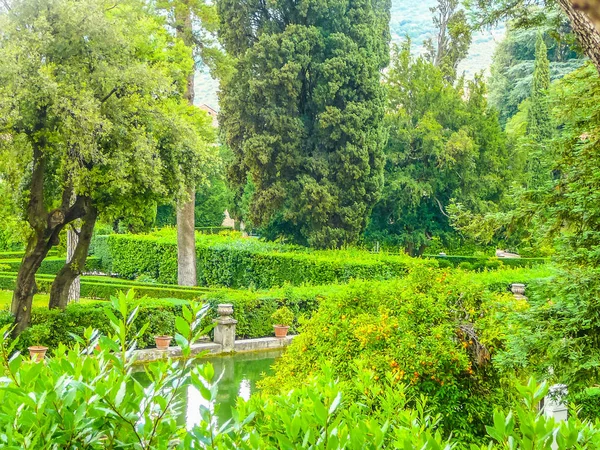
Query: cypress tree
{"x": 303, "y": 115}
{"x": 539, "y": 124}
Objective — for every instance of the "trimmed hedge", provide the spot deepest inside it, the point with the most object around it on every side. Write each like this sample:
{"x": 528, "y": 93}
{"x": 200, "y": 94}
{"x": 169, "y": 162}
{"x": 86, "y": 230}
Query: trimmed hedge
{"x": 51, "y": 327}
{"x": 252, "y": 309}
{"x": 52, "y": 265}
{"x": 20, "y": 254}
{"x": 230, "y": 262}
{"x": 105, "y": 287}
{"x": 481, "y": 263}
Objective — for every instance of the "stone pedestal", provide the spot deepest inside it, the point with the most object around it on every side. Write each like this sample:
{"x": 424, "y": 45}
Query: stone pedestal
{"x": 554, "y": 404}
{"x": 225, "y": 329}
{"x": 518, "y": 291}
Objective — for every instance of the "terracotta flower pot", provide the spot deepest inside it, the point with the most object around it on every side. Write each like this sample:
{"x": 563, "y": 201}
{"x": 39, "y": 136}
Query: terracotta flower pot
{"x": 280, "y": 331}
{"x": 37, "y": 353}
{"x": 162, "y": 342}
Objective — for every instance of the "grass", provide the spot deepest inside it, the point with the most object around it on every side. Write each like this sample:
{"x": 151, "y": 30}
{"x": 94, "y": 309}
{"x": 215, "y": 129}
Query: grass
{"x": 39, "y": 300}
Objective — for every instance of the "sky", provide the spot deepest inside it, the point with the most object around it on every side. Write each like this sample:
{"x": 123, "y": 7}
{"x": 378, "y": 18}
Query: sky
{"x": 409, "y": 18}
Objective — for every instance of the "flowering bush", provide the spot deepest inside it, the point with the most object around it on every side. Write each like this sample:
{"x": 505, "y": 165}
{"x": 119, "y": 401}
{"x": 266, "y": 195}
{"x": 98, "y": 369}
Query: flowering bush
{"x": 434, "y": 331}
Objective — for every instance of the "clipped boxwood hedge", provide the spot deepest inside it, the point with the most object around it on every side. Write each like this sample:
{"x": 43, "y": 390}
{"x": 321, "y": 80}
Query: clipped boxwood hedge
{"x": 104, "y": 287}
{"x": 52, "y": 265}
{"x": 251, "y": 309}
{"x": 482, "y": 263}
{"x": 238, "y": 263}
{"x": 51, "y": 327}
{"x": 19, "y": 254}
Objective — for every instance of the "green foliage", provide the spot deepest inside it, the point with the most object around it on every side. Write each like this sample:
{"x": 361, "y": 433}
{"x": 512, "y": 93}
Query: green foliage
{"x": 94, "y": 391}
{"x": 51, "y": 265}
{"x": 232, "y": 262}
{"x": 482, "y": 263}
{"x": 283, "y": 317}
{"x": 511, "y": 77}
{"x": 92, "y": 116}
{"x": 303, "y": 113}
{"x": 539, "y": 123}
{"x": 106, "y": 406}
{"x": 561, "y": 328}
{"x": 51, "y": 328}
{"x": 442, "y": 146}
{"x": 433, "y": 331}
{"x": 454, "y": 37}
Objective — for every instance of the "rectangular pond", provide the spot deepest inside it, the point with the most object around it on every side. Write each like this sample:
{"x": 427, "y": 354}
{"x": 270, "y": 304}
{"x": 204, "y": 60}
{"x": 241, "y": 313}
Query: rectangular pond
{"x": 241, "y": 371}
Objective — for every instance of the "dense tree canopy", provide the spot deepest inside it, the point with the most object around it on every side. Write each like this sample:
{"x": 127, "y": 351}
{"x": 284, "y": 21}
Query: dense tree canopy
{"x": 444, "y": 143}
{"x": 92, "y": 121}
{"x": 303, "y": 113}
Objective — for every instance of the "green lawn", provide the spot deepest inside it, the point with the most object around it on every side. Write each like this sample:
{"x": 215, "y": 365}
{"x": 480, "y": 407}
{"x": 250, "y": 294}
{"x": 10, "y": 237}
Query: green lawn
{"x": 40, "y": 300}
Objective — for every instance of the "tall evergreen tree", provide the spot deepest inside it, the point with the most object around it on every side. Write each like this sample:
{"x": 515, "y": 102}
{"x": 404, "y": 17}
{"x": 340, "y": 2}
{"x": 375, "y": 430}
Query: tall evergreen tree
{"x": 303, "y": 114}
{"x": 539, "y": 124}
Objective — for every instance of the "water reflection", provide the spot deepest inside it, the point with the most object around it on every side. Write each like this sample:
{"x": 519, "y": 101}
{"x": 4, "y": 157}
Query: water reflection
{"x": 240, "y": 374}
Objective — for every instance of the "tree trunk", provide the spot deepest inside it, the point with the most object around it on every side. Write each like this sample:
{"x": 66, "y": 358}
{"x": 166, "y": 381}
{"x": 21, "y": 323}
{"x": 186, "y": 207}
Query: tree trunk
{"x": 39, "y": 245}
{"x": 186, "y": 233}
{"x": 59, "y": 293}
{"x": 72, "y": 241}
{"x": 583, "y": 27}
{"x": 591, "y": 7}
{"x": 186, "y": 242}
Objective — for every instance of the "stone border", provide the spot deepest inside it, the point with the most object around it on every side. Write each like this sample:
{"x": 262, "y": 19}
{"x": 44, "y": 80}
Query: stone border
{"x": 240, "y": 346}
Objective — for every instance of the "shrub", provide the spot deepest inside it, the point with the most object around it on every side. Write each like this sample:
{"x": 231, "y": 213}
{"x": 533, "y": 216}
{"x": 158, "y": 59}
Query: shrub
{"x": 435, "y": 331}
{"x": 54, "y": 327}
{"x": 283, "y": 317}
{"x": 104, "y": 287}
{"x": 485, "y": 262}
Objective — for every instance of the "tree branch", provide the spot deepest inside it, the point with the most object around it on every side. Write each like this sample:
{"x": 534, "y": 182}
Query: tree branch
{"x": 109, "y": 95}
{"x": 441, "y": 207}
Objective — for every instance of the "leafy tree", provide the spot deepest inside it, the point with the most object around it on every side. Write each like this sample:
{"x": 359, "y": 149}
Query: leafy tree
{"x": 92, "y": 121}
{"x": 562, "y": 329}
{"x": 303, "y": 113}
{"x": 453, "y": 37}
{"x": 444, "y": 143}
{"x": 195, "y": 22}
{"x": 527, "y": 13}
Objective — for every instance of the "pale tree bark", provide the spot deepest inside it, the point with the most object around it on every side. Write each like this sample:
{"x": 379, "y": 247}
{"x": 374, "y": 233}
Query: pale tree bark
{"x": 72, "y": 240}
{"x": 186, "y": 233}
{"x": 186, "y": 242}
{"x": 583, "y": 27}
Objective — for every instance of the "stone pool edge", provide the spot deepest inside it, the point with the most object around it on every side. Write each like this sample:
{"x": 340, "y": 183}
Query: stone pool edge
{"x": 212, "y": 348}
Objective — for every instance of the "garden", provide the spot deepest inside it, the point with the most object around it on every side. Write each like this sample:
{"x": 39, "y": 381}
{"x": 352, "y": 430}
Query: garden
{"x": 360, "y": 241}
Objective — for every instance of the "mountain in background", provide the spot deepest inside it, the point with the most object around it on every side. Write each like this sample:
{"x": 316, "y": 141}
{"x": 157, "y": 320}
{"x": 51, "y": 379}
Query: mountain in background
{"x": 409, "y": 18}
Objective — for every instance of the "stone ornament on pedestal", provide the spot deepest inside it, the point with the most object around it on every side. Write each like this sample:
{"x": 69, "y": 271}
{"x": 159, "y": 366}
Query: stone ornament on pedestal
{"x": 225, "y": 329}
{"x": 518, "y": 290}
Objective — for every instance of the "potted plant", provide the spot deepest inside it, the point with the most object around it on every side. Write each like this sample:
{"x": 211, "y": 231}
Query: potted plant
{"x": 282, "y": 319}
{"x": 162, "y": 342}
{"x": 37, "y": 353}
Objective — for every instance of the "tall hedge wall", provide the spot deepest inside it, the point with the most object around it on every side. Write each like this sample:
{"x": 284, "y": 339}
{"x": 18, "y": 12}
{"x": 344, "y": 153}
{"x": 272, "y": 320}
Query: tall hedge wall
{"x": 239, "y": 263}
